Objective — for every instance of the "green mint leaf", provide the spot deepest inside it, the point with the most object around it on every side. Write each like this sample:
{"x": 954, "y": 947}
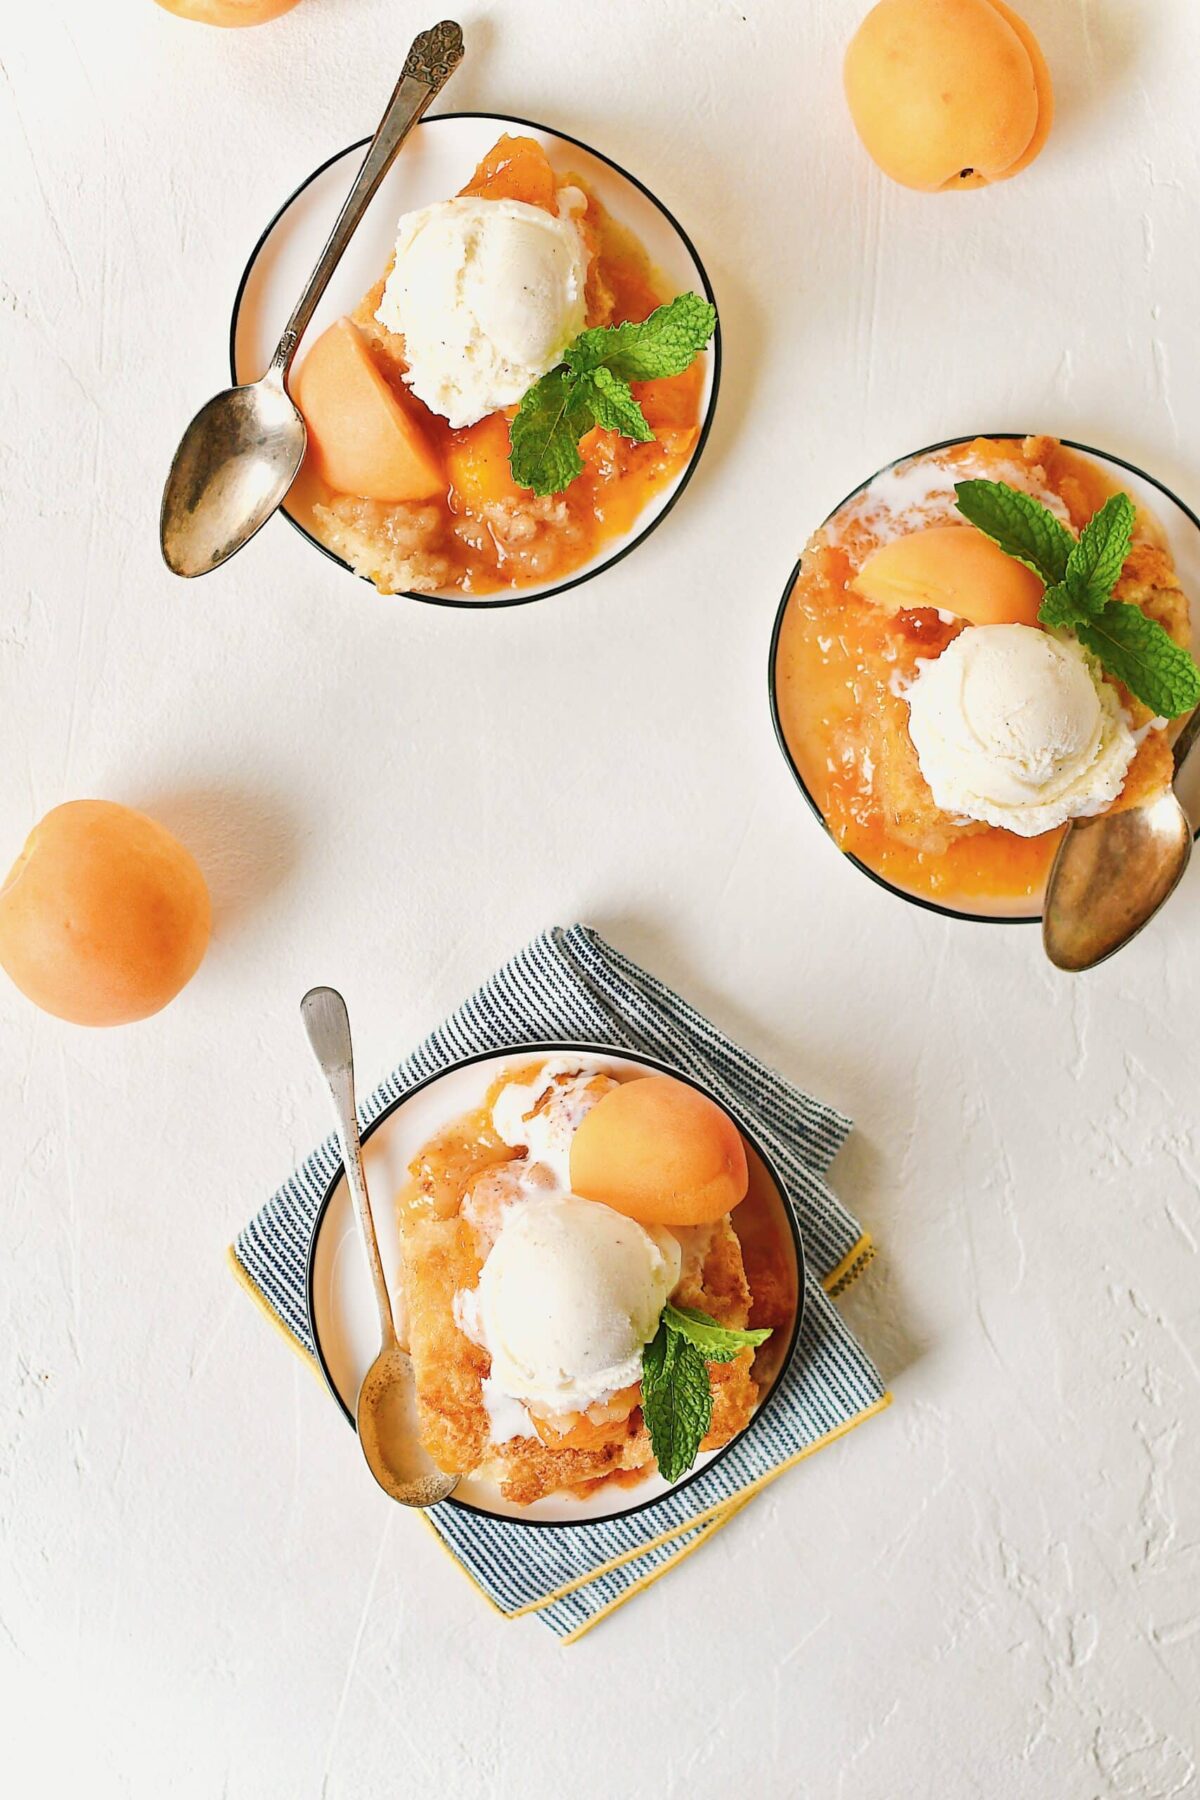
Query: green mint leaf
{"x": 1097, "y": 558}
{"x": 1138, "y": 651}
{"x": 656, "y": 1356}
{"x": 1021, "y": 525}
{"x": 1059, "y": 609}
{"x": 591, "y": 386}
{"x": 676, "y": 1401}
{"x": 666, "y": 343}
{"x": 716, "y": 1343}
{"x": 545, "y": 433}
{"x": 614, "y": 405}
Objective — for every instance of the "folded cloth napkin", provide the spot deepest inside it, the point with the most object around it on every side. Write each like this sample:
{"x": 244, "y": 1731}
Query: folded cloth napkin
{"x": 571, "y": 985}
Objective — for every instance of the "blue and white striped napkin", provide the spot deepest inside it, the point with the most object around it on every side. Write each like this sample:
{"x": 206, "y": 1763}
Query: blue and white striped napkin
{"x": 571, "y": 985}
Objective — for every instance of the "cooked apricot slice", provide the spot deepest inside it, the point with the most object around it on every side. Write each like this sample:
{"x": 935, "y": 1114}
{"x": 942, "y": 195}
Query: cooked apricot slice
{"x": 660, "y": 1152}
{"x": 104, "y": 916}
{"x": 672, "y": 399}
{"x": 516, "y": 168}
{"x": 589, "y": 1430}
{"x": 955, "y": 569}
{"x": 228, "y": 12}
{"x": 948, "y": 93}
{"x": 362, "y": 438}
{"x": 477, "y": 466}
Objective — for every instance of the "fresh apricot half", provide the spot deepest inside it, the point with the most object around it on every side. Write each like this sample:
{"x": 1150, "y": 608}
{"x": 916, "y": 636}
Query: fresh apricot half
{"x": 955, "y": 569}
{"x": 228, "y": 12}
{"x": 660, "y": 1152}
{"x": 362, "y": 437}
{"x": 948, "y": 93}
{"x": 104, "y": 916}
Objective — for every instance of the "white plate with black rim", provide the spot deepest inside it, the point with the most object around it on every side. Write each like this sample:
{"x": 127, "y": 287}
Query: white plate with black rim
{"x": 341, "y": 1303}
{"x": 1182, "y": 529}
{"x": 435, "y": 162}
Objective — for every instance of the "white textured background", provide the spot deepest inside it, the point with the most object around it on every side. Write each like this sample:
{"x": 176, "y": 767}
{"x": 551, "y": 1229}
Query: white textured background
{"x": 992, "y": 1591}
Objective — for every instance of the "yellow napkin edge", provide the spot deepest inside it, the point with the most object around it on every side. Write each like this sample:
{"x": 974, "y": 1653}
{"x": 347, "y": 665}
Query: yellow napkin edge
{"x": 694, "y": 1532}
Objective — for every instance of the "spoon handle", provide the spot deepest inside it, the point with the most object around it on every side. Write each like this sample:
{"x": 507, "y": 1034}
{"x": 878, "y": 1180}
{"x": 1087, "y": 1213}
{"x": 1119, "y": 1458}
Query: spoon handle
{"x": 432, "y": 59}
{"x": 328, "y": 1026}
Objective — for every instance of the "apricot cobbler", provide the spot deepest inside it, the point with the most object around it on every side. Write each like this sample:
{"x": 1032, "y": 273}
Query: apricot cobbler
{"x": 956, "y": 665}
{"x": 574, "y": 1252}
{"x": 410, "y": 401}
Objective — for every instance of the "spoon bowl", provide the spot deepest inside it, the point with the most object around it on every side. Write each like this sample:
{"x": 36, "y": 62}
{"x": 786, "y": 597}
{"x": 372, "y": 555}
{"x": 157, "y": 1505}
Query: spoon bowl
{"x": 243, "y": 450}
{"x": 386, "y": 1418}
{"x": 1113, "y": 873}
{"x": 234, "y": 465}
{"x": 1109, "y": 879}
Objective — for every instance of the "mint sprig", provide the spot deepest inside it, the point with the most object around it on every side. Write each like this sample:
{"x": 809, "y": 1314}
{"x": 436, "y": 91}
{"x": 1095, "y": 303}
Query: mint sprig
{"x": 1080, "y": 575}
{"x": 676, "y": 1388}
{"x": 590, "y": 386}
{"x": 1135, "y": 648}
{"x": 1021, "y": 525}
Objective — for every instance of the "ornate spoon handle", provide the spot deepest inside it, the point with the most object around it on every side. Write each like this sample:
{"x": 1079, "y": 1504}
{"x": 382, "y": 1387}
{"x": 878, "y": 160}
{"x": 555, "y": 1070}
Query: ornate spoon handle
{"x": 328, "y": 1026}
{"x": 431, "y": 61}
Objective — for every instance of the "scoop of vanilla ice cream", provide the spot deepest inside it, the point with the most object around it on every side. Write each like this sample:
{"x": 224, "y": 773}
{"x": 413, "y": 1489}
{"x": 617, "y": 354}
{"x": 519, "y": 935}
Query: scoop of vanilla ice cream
{"x": 1014, "y": 726}
{"x": 487, "y": 295}
{"x": 568, "y": 1297}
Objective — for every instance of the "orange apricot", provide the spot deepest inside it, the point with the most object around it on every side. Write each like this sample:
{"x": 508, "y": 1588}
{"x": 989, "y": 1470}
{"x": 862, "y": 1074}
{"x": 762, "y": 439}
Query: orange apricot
{"x": 104, "y": 916}
{"x": 477, "y": 466}
{"x": 955, "y": 569}
{"x": 362, "y": 438}
{"x": 228, "y": 12}
{"x": 660, "y": 1152}
{"x": 516, "y": 168}
{"x": 948, "y": 93}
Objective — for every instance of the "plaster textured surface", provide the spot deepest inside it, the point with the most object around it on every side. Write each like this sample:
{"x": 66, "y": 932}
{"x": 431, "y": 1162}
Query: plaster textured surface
{"x": 994, "y": 1589}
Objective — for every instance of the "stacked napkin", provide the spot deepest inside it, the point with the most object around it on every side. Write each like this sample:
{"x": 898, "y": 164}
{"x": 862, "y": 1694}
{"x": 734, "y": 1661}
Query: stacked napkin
{"x": 571, "y": 986}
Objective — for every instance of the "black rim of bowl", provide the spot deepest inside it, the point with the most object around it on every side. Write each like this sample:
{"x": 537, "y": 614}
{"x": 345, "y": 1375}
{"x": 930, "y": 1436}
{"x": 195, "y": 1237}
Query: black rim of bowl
{"x": 617, "y": 1053}
{"x": 933, "y": 906}
{"x": 605, "y": 562}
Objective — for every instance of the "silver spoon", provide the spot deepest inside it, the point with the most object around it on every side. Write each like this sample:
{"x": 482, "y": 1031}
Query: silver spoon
{"x": 1113, "y": 873}
{"x": 243, "y": 450}
{"x": 386, "y": 1413}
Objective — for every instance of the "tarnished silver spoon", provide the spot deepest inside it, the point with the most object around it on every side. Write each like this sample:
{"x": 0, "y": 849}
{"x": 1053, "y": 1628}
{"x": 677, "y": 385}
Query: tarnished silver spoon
{"x": 243, "y": 450}
{"x": 386, "y": 1413}
{"x": 1113, "y": 873}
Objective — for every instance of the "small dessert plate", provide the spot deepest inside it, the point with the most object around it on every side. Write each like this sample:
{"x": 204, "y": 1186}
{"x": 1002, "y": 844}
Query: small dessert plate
{"x": 341, "y": 1303}
{"x": 1181, "y": 527}
{"x": 435, "y": 162}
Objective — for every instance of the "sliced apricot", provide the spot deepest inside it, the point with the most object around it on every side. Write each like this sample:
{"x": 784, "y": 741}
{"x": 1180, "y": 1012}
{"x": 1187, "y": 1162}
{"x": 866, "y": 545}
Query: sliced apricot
{"x": 477, "y": 466}
{"x": 954, "y": 569}
{"x": 660, "y": 1152}
{"x": 516, "y": 168}
{"x": 948, "y": 93}
{"x": 672, "y": 399}
{"x": 362, "y": 437}
{"x": 104, "y": 916}
{"x": 590, "y": 1430}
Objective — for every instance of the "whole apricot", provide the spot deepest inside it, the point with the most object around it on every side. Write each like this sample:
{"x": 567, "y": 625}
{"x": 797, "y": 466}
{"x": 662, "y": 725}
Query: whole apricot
{"x": 228, "y": 12}
{"x": 660, "y": 1152}
{"x": 104, "y": 916}
{"x": 948, "y": 93}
